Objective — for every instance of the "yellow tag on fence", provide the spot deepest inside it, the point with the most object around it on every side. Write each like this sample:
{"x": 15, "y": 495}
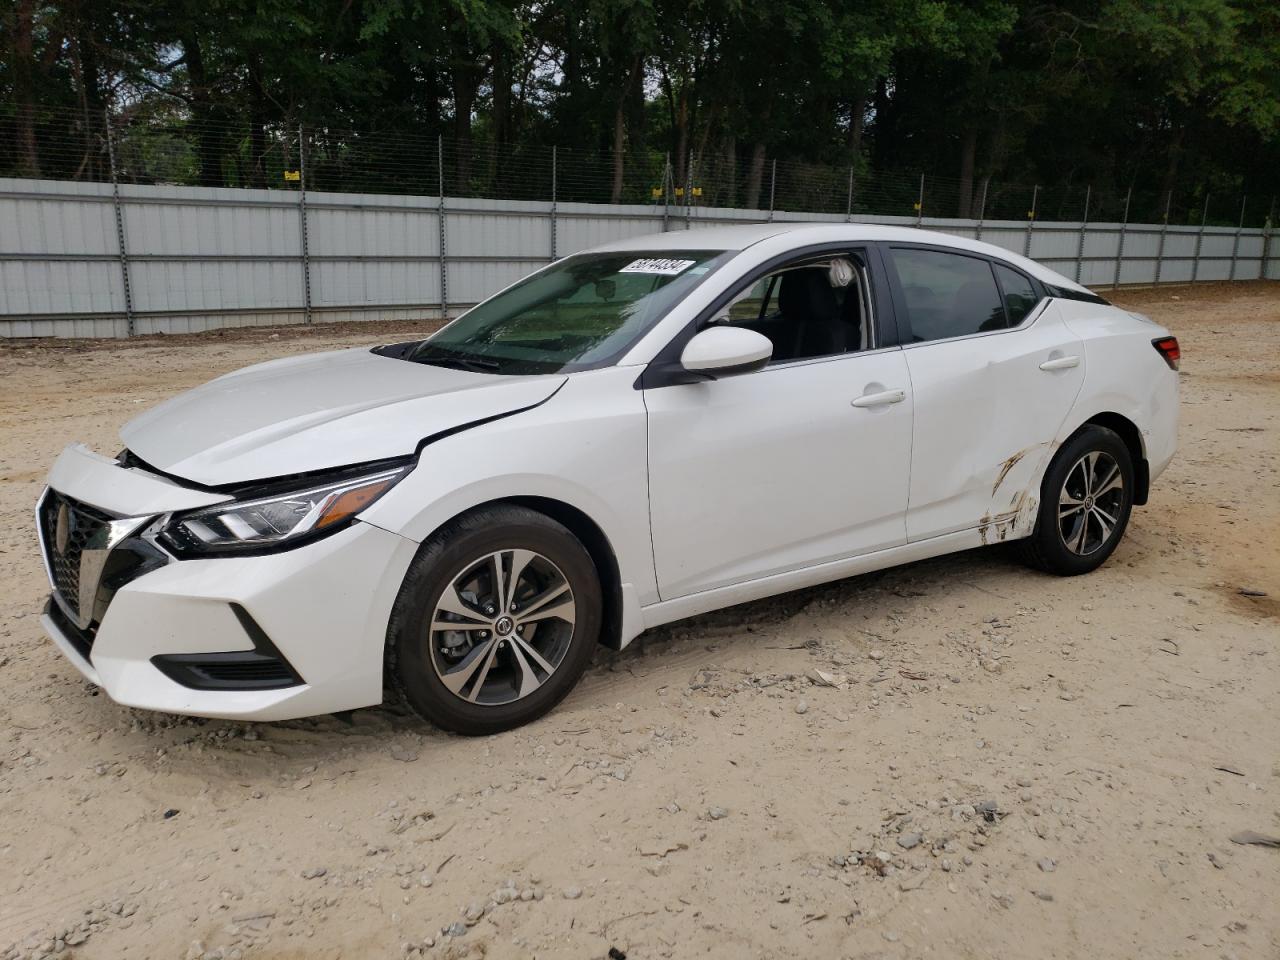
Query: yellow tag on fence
{"x": 697, "y": 191}
{"x": 656, "y": 193}
{"x": 295, "y": 175}
{"x": 679, "y": 191}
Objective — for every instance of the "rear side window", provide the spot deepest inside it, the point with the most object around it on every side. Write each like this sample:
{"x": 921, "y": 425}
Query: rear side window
{"x": 947, "y": 294}
{"x": 1019, "y": 295}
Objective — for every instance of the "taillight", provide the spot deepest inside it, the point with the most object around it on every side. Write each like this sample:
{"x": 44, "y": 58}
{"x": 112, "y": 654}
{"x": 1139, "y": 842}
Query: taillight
{"x": 1168, "y": 348}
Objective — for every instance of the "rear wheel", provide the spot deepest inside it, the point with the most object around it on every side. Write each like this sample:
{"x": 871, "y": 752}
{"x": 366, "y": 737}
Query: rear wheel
{"x": 496, "y": 621}
{"x": 1085, "y": 502}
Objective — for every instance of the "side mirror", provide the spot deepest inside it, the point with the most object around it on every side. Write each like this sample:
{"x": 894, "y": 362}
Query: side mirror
{"x": 721, "y": 351}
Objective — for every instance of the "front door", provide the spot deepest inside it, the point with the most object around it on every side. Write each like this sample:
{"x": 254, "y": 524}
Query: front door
{"x": 800, "y": 463}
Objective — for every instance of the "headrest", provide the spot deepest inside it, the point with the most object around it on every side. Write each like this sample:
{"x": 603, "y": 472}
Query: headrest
{"x": 807, "y": 291}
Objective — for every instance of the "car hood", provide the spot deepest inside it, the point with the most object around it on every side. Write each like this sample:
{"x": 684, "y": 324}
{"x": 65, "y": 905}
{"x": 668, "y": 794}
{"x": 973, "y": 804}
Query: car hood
{"x": 318, "y": 411}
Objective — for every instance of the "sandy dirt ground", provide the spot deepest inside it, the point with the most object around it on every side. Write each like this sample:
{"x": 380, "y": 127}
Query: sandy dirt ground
{"x": 1009, "y": 765}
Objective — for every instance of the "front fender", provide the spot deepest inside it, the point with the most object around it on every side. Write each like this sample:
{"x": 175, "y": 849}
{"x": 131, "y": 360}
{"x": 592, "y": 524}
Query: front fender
{"x": 585, "y": 447}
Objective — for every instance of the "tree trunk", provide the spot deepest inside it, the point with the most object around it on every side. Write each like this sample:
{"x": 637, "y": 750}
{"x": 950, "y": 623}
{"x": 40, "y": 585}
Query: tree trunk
{"x": 755, "y": 176}
{"x": 700, "y": 151}
{"x": 501, "y": 95}
{"x": 258, "y": 127}
{"x": 1175, "y": 158}
{"x": 857, "y": 123}
{"x": 500, "y": 118}
{"x": 682, "y": 139}
{"x": 24, "y": 98}
{"x": 466, "y": 81}
{"x": 620, "y": 130}
{"x": 968, "y": 156}
{"x": 731, "y": 169}
{"x": 87, "y": 167}
{"x": 208, "y": 132}
{"x": 882, "y": 144}
{"x": 619, "y": 150}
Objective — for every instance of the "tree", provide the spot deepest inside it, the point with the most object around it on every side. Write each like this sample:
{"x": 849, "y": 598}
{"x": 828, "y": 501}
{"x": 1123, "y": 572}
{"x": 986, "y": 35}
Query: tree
{"x": 1149, "y": 96}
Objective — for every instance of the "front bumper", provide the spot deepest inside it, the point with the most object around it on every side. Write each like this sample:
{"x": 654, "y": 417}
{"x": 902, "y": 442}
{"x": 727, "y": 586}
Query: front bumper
{"x": 320, "y": 609}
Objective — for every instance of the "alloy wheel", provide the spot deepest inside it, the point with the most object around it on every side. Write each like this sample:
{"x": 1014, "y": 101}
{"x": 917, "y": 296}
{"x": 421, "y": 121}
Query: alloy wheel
{"x": 1090, "y": 503}
{"x": 502, "y": 627}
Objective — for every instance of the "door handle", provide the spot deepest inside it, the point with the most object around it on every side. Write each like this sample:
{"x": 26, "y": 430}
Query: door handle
{"x": 1060, "y": 363}
{"x": 879, "y": 399}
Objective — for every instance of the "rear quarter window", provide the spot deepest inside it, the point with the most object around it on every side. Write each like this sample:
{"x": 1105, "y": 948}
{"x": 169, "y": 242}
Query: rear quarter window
{"x": 1020, "y": 295}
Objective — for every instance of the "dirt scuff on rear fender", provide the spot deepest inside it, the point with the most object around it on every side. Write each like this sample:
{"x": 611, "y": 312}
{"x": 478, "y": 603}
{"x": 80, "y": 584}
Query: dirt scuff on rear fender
{"x": 1018, "y": 519}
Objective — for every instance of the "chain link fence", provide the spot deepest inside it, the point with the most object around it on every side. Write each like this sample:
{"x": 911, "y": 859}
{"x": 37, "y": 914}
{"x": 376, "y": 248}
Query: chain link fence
{"x": 325, "y": 195}
{"x": 158, "y": 147}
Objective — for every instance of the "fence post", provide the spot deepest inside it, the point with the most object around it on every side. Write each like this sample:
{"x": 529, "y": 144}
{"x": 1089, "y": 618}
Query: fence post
{"x": 444, "y": 248}
{"x": 1124, "y": 226}
{"x": 1235, "y": 244}
{"x": 920, "y": 202}
{"x": 120, "y": 242}
{"x": 1204, "y": 218}
{"x": 1164, "y": 229}
{"x": 688, "y": 190}
{"x": 1084, "y": 227}
{"x": 848, "y": 206}
{"x": 982, "y": 208}
{"x": 1266, "y": 240}
{"x": 302, "y": 226}
{"x": 1031, "y": 221}
{"x": 773, "y": 185}
{"x": 553, "y": 204}
{"x": 666, "y": 190}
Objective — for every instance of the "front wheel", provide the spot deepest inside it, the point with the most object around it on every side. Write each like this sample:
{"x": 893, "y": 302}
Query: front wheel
{"x": 1085, "y": 501}
{"x": 495, "y": 622}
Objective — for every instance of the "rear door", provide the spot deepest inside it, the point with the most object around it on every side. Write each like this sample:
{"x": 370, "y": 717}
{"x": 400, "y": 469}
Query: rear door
{"x": 994, "y": 372}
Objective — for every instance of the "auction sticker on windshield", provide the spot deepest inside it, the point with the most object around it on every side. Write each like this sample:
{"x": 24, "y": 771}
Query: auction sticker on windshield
{"x": 658, "y": 265}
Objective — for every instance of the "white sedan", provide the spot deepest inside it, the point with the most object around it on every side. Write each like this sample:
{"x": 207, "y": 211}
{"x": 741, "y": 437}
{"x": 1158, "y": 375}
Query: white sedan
{"x": 642, "y": 432}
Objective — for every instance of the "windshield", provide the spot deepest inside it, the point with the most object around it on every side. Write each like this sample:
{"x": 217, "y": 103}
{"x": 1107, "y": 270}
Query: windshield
{"x": 581, "y": 313}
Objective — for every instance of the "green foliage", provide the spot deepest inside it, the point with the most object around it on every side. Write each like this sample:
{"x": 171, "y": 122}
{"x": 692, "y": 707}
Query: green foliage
{"x": 1157, "y": 95}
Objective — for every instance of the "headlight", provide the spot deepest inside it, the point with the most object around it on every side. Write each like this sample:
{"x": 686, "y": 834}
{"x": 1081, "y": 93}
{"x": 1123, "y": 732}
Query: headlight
{"x": 279, "y": 520}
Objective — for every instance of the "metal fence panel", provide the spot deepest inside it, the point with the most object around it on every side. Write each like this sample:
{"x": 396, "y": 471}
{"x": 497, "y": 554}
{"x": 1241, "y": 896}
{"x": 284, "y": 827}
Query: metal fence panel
{"x": 580, "y": 225}
{"x": 200, "y": 258}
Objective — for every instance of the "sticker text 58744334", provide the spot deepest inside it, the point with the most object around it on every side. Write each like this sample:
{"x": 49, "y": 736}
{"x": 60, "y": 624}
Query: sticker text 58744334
{"x": 659, "y": 265}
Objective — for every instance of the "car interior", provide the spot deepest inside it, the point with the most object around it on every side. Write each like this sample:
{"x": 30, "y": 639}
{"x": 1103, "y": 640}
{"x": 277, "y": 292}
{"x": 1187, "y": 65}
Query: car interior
{"x": 814, "y": 308}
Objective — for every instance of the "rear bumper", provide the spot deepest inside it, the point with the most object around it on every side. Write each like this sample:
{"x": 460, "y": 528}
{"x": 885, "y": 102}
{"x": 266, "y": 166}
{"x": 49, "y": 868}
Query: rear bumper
{"x": 1161, "y": 437}
{"x": 270, "y": 637}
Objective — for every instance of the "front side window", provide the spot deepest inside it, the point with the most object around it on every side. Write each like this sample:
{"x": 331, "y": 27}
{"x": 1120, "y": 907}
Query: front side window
{"x": 947, "y": 294}
{"x": 581, "y": 313}
{"x": 816, "y": 307}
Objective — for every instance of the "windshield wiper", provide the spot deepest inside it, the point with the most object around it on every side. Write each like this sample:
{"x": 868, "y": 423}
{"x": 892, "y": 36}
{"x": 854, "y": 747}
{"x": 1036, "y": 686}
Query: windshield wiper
{"x": 462, "y": 363}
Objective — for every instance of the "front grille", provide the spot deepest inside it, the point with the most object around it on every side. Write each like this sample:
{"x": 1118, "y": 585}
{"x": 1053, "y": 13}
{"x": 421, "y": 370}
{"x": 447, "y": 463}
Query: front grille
{"x": 67, "y": 527}
{"x": 90, "y": 555}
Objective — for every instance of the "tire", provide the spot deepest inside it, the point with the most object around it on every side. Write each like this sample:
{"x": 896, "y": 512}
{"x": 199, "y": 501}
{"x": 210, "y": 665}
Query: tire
{"x": 1060, "y": 545}
{"x": 488, "y": 673}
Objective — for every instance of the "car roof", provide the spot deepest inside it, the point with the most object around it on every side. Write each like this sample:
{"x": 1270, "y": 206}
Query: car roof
{"x": 803, "y": 234}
